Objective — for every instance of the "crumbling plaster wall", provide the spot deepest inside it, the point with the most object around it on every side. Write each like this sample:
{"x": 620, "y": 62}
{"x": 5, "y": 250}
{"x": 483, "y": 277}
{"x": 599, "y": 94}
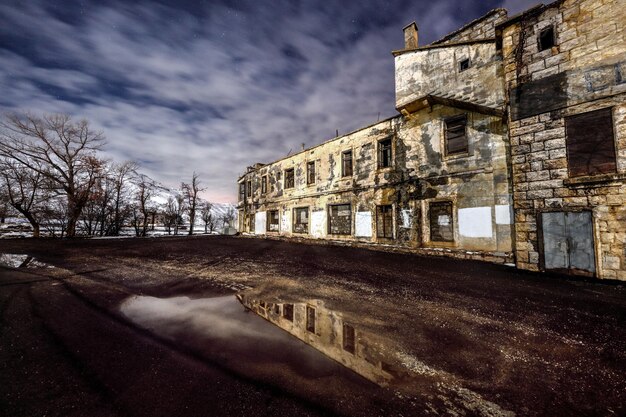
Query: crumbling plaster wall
{"x": 435, "y": 71}
{"x": 584, "y": 71}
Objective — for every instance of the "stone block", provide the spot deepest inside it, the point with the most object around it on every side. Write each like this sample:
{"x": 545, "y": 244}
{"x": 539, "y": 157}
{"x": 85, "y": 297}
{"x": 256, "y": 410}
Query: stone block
{"x": 534, "y": 194}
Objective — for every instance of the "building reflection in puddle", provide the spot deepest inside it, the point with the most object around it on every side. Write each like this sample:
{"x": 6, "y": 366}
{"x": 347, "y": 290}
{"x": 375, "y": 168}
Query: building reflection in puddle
{"x": 330, "y": 333}
{"x": 21, "y": 261}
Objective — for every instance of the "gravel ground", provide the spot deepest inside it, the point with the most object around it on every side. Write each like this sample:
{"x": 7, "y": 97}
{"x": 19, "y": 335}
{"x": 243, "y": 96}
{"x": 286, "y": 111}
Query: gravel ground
{"x": 473, "y": 338}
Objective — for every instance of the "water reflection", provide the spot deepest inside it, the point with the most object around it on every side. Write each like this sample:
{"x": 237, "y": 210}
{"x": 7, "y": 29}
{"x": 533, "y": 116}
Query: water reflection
{"x": 21, "y": 261}
{"x": 332, "y": 334}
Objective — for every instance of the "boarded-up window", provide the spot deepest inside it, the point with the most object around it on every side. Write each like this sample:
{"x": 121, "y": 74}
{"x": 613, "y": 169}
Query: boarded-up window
{"x": 384, "y": 221}
{"x": 340, "y": 219}
{"x": 310, "y": 172}
{"x": 289, "y": 178}
{"x": 546, "y": 38}
{"x": 590, "y": 143}
{"x": 242, "y": 191}
{"x": 456, "y": 138}
{"x": 310, "y": 319}
{"x": 264, "y": 184}
{"x": 348, "y": 338}
{"x": 384, "y": 153}
{"x": 346, "y": 163}
{"x": 441, "y": 222}
{"x": 288, "y": 311}
{"x": 272, "y": 221}
{"x": 301, "y": 220}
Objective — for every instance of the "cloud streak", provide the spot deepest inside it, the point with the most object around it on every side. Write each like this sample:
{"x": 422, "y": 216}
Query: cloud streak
{"x": 213, "y": 87}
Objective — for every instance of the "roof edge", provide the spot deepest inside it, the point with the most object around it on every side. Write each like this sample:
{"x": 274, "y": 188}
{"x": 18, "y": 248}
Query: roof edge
{"x": 442, "y": 45}
{"x": 467, "y": 25}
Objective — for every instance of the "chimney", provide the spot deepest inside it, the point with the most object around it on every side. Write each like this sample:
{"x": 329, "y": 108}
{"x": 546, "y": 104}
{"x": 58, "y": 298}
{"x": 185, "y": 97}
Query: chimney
{"x": 410, "y": 36}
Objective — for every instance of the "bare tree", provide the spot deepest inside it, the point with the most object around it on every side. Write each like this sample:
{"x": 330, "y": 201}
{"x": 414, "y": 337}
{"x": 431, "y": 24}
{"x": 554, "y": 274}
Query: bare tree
{"x": 121, "y": 176}
{"x": 24, "y": 189}
{"x": 180, "y": 210}
{"x": 57, "y": 149}
{"x": 169, "y": 214}
{"x": 142, "y": 210}
{"x": 206, "y": 213}
{"x": 228, "y": 217}
{"x": 190, "y": 192}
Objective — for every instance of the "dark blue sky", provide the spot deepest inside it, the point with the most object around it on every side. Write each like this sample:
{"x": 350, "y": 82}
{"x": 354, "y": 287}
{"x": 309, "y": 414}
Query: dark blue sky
{"x": 214, "y": 86}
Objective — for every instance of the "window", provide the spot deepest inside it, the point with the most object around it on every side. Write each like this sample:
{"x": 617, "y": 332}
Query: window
{"x": 441, "y": 222}
{"x": 455, "y": 132}
{"x": 310, "y": 319}
{"x": 301, "y": 220}
{"x": 384, "y": 153}
{"x": 348, "y": 338}
{"x": 264, "y": 184}
{"x": 590, "y": 143}
{"x": 464, "y": 64}
{"x": 310, "y": 172}
{"x": 249, "y": 192}
{"x": 384, "y": 221}
{"x": 288, "y": 311}
{"x": 242, "y": 191}
{"x": 272, "y": 221}
{"x": 251, "y": 222}
{"x": 340, "y": 219}
{"x": 289, "y": 178}
{"x": 546, "y": 38}
{"x": 346, "y": 164}
{"x": 277, "y": 309}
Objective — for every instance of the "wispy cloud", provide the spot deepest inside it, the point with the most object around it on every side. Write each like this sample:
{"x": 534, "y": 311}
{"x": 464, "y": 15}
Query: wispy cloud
{"x": 212, "y": 87}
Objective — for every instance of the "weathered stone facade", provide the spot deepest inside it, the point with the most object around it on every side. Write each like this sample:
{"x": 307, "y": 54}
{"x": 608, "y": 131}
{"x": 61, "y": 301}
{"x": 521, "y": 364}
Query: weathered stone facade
{"x": 392, "y": 202}
{"x": 562, "y": 62}
{"x": 527, "y": 112}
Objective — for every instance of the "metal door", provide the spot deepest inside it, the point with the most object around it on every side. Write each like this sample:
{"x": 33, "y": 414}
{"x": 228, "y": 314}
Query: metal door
{"x": 568, "y": 242}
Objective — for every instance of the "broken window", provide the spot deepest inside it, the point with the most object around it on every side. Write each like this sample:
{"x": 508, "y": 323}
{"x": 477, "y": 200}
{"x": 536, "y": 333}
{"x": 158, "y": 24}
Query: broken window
{"x": 340, "y": 219}
{"x": 455, "y": 132}
{"x": 384, "y": 153}
{"x": 242, "y": 191}
{"x": 590, "y": 143}
{"x": 289, "y": 178}
{"x": 464, "y": 64}
{"x": 272, "y": 221}
{"x": 310, "y": 173}
{"x": 264, "y": 184}
{"x": 310, "y": 319}
{"x": 441, "y": 222}
{"x": 384, "y": 221}
{"x": 301, "y": 220}
{"x": 346, "y": 163}
{"x": 546, "y": 38}
{"x": 348, "y": 338}
{"x": 288, "y": 311}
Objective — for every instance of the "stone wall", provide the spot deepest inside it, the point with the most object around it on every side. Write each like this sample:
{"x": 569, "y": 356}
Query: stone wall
{"x": 582, "y": 72}
{"x": 481, "y": 28}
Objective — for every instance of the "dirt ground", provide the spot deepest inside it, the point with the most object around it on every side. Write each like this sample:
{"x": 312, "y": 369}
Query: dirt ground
{"x": 473, "y": 338}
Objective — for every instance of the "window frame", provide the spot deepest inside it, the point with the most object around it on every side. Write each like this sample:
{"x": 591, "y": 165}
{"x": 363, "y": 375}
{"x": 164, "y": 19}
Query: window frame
{"x": 311, "y": 319}
{"x": 568, "y": 145}
{"x": 382, "y": 162}
{"x": 541, "y": 37}
{"x": 295, "y": 217}
{"x": 310, "y": 181}
{"x": 329, "y": 219}
{"x": 390, "y": 213}
{"x": 264, "y": 184}
{"x": 348, "y": 343}
{"x": 446, "y": 135}
{"x": 430, "y": 223}
{"x": 292, "y": 177}
{"x": 242, "y": 191}
{"x": 268, "y": 223}
{"x": 462, "y": 61}
{"x": 344, "y": 172}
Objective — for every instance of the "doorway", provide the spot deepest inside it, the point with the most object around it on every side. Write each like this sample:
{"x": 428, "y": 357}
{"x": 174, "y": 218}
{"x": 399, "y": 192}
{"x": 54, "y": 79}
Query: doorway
{"x": 568, "y": 244}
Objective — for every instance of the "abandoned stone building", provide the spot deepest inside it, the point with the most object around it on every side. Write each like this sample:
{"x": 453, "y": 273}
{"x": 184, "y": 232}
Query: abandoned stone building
{"x": 489, "y": 125}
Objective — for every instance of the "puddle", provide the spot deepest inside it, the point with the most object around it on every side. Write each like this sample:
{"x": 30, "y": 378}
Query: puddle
{"x": 310, "y": 351}
{"x": 222, "y": 328}
{"x": 21, "y": 261}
